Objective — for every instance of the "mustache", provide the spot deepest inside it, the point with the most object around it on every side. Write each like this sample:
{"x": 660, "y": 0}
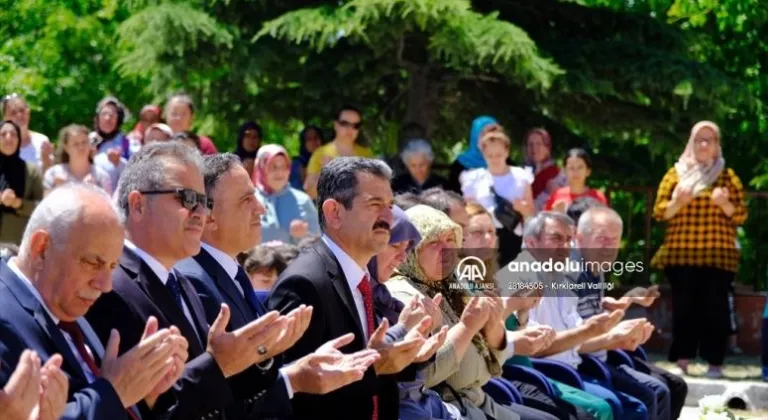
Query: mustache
{"x": 89, "y": 294}
{"x": 381, "y": 225}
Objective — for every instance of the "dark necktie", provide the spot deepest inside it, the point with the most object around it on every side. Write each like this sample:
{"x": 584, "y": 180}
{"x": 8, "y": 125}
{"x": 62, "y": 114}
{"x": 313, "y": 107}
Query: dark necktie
{"x": 76, "y": 334}
{"x": 365, "y": 289}
{"x": 250, "y": 296}
{"x": 175, "y": 288}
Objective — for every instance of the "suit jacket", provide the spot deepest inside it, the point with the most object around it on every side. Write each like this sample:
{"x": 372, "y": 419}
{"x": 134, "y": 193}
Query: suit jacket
{"x": 316, "y": 278}
{"x": 214, "y": 287}
{"x": 25, "y": 324}
{"x": 202, "y": 391}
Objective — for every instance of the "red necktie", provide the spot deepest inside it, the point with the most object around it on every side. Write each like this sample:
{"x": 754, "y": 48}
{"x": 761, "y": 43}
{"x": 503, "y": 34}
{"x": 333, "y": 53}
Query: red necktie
{"x": 365, "y": 289}
{"x": 76, "y": 334}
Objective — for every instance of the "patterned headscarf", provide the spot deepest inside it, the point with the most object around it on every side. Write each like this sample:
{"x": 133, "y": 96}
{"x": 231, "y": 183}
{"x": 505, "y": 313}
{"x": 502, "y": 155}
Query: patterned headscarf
{"x": 431, "y": 224}
{"x": 696, "y": 176}
{"x": 264, "y": 156}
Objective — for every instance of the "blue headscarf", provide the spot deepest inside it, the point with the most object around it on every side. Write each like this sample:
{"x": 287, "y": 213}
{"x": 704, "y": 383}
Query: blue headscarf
{"x": 402, "y": 230}
{"x": 472, "y": 158}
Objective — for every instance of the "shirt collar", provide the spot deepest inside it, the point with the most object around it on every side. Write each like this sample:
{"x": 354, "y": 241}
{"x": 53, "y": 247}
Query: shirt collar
{"x": 353, "y": 272}
{"x": 157, "y": 268}
{"x": 228, "y": 264}
{"x": 31, "y": 287}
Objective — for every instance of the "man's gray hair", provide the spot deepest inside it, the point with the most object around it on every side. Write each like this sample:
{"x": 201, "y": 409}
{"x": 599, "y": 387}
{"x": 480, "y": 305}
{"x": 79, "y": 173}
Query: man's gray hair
{"x": 338, "y": 180}
{"x": 146, "y": 169}
{"x": 417, "y": 147}
{"x": 587, "y": 219}
{"x": 215, "y": 166}
{"x": 534, "y": 227}
{"x": 58, "y": 211}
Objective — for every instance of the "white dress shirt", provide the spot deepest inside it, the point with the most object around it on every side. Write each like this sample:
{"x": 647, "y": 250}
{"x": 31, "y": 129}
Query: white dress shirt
{"x": 354, "y": 274}
{"x": 162, "y": 273}
{"x": 88, "y": 373}
{"x": 230, "y": 266}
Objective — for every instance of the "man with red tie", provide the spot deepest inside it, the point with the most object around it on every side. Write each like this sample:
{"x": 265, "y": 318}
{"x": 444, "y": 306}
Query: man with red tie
{"x": 355, "y": 211}
{"x": 72, "y": 242}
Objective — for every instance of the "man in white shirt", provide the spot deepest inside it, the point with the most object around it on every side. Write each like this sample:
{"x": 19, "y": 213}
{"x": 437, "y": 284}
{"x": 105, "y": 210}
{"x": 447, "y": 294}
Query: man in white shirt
{"x": 234, "y": 227}
{"x": 72, "y": 243}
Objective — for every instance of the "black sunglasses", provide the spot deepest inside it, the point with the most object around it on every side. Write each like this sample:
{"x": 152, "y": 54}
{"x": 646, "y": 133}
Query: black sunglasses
{"x": 190, "y": 199}
{"x": 347, "y": 124}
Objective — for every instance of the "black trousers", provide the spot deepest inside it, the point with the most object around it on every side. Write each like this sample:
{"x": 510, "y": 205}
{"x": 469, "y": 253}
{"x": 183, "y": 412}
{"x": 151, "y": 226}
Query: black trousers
{"x": 700, "y": 313}
{"x": 678, "y": 389}
{"x": 509, "y": 246}
{"x": 535, "y": 398}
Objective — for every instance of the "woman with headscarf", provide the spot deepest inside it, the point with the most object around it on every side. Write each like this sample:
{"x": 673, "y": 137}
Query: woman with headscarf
{"x": 310, "y": 139}
{"x": 538, "y": 156}
{"x": 415, "y": 402}
{"x": 289, "y": 214}
{"x": 21, "y": 185}
{"x": 472, "y": 158}
{"x": 702, "y": 203}
{"x": 113, "y": 149}
{"x": 249, "y": 137}
{"x": 477, "y": 343}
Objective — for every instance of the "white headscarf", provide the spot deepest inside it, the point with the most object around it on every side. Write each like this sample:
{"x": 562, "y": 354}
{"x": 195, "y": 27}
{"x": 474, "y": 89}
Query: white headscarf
{"x": 696, "y": 176}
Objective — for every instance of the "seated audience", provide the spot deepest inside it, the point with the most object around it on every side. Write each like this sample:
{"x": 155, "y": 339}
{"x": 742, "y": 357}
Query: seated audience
{"x": 264, "y": 263}
{"x": 310, "y": 139}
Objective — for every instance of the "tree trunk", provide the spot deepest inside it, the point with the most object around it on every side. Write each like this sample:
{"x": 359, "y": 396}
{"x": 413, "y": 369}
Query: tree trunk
{"x": 422, "y": 99}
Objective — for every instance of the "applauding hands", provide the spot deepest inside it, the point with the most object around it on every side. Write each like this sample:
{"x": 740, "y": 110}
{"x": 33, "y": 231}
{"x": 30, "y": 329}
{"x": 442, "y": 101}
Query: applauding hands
{"x": 34, "y": 392}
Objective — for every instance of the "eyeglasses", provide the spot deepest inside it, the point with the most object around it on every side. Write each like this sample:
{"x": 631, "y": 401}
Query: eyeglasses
{"x": 347, "y": 124}
{"x": 190, "y": 199}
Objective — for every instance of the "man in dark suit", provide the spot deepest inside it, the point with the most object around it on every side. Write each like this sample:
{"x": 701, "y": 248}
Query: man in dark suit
{"x": 355, "y": 201}
{"x": 161, "y": 199}
{"x": 72, "y": 242}
{"x": 234, "y": 227}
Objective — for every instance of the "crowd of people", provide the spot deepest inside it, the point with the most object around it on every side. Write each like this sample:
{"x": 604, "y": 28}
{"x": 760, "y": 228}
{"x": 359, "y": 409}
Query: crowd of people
{"x": 148, "y": 276}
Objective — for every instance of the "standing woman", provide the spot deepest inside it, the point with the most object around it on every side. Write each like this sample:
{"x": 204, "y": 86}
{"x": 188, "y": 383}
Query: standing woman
{"x": 547, "y": 175}
{"x": 289, "y": 214}
{"x": 35, "y": 147}
{"x": 504, "y": 190}
{"x": 21, "y": 186}
{"x": 113, "y": 149}
{"x": 310, "y": 139}
{"x": 702, "y": 203}
{"x": 472, "y": 158}
{"x": 75, "y": 163}
{"x": 578, "y": 167}
{"x": 249, "y": 138}
{"x": 180, "y": 113}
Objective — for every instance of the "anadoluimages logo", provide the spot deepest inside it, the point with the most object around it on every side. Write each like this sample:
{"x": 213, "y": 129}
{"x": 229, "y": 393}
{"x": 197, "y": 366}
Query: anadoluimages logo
{"x": 471, "y": 269}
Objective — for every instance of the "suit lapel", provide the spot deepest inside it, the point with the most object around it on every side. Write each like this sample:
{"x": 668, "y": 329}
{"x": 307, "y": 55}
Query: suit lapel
{"x": 341, "y": 286}
{"x": 195, "y": 306}
{"x": 92, "y": 340}
{"x": 30, "y": 303}
{"x": 161, "y": 298}
{"x": 224, "y": 283}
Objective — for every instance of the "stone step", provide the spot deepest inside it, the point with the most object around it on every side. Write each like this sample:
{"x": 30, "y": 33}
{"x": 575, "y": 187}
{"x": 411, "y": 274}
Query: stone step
{"x": 747, "y": 395}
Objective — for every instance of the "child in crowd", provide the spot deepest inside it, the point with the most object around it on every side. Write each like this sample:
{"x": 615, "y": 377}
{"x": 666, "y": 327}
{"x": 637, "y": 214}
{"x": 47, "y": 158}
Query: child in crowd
{"x": 265, "y": 262}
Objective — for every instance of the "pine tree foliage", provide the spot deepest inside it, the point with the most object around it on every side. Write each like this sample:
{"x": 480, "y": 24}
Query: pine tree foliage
{"x": 459, "y": 39}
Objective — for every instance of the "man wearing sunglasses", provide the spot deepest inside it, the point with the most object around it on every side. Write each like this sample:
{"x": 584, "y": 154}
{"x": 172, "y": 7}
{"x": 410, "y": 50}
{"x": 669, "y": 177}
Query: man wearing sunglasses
{"x": 347, "y": 127}
{"x": 161, "y": 199}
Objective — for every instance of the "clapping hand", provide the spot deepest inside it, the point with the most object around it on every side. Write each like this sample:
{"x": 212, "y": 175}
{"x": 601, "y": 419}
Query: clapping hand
{"x": 22, "y": 392}
{"x": 328, "y": 369}
{"x": 53, "y": 391}
{"x": 240, "y": 349}
{"x": 720, "y": 196}
{"x": 394, "y": 356}
{"x": 298, "y": 228}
